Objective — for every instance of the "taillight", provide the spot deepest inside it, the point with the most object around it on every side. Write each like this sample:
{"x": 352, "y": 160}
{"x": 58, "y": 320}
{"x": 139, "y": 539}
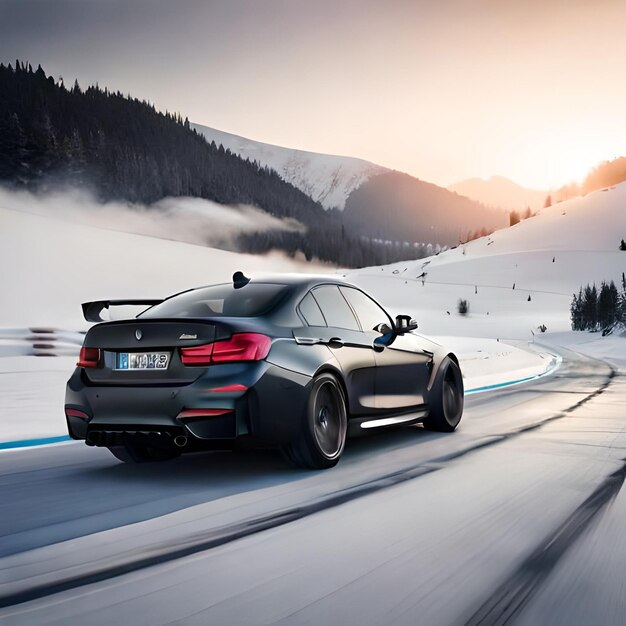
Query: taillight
{"x": 229, "y": 389}
{"x": 240, "y": 347}
{"x": 76, "y": 413}
{"x": 89, "y": 357}
{"x": 199, "y": 355}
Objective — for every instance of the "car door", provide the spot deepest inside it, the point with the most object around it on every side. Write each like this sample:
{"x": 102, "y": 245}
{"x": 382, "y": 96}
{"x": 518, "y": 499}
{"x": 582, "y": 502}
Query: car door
{"x": 401, "y": 368}
{"x": 331, "y": 321}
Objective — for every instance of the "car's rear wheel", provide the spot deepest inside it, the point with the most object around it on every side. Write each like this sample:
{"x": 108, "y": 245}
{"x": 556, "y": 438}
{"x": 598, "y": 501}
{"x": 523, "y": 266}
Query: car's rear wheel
{"x": 132, "y": 452}
{"x": 323, "y": 435}
{"x": 446, "y": 398}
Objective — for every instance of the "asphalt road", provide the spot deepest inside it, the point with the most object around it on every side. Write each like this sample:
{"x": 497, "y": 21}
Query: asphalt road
{"x": 517, "y": 517}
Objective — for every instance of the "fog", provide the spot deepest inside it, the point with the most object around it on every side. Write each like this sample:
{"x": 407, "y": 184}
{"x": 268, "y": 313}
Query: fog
{"x": 190, "y": 220}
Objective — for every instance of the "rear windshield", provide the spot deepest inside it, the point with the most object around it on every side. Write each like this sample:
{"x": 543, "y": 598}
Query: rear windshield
{"x": 252, "y": 300}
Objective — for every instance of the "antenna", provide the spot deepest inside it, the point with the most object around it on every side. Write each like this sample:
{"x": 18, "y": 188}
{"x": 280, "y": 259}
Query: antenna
{"x": 240, "y": 280}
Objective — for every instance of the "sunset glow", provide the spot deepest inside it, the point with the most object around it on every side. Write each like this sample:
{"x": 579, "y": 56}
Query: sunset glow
{"x": 444, "y": 91}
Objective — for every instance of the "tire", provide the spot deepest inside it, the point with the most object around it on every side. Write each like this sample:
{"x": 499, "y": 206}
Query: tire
{"x": 132, "y": 452}
{"x": 446, "y": 398}
{"x": 324, "y": 426}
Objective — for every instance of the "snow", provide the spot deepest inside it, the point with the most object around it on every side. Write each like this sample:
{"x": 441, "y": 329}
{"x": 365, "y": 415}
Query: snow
{"x": 33, "y": 394}
{"x": 547, "y": 257}
{"x": 62, "y": 264}
{"x": 611, "y": 349}
{"x": 326, "y": 178}
{"x": 488, "y": 363}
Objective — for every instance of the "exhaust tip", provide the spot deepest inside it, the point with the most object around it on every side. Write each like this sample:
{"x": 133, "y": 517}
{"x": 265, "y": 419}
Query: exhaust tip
{"x": 93, "y": 438}
{"x": 180, "y": 441}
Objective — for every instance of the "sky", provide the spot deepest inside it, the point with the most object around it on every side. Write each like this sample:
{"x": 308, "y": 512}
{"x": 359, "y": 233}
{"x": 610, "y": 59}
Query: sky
{"x": 444, "y": 90}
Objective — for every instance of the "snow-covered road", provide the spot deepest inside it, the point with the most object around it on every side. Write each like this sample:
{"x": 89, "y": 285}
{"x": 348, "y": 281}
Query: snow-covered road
{"x": 411, "y": 527}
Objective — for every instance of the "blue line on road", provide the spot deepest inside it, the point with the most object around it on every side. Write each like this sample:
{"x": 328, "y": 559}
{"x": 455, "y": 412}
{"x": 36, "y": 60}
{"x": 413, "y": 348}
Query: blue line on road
{"x": 27, "y": 443}
{"x": 500, "y": 385}
{"x": 508, "y": 383}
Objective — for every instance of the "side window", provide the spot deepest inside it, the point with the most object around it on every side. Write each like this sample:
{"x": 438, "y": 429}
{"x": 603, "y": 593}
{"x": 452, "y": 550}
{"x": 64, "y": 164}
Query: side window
{"x": 369, "y": 313}
{"x": 311, "y": 312}
{"x": 335, "y": 308}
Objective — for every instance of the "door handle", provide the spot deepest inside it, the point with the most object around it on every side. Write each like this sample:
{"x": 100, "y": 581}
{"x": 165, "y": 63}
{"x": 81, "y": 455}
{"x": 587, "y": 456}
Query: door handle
{"x": 335, "y": 342}
{"x": 308, "y": 341}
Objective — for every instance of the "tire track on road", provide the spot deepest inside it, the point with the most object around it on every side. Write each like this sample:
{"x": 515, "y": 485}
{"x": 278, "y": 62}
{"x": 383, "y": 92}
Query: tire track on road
{"x": 509, "y": 600}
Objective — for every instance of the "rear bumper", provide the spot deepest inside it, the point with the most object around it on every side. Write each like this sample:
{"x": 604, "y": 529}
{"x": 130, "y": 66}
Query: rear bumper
{"x": 258, "y": 400}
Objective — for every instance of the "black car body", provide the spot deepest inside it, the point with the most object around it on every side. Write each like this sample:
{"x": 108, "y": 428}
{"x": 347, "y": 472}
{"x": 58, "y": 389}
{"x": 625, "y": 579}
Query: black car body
{"x": 294, "y": 361}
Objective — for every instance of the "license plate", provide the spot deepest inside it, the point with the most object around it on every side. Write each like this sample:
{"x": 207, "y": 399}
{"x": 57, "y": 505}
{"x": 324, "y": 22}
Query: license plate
{"x": 142, "y": 360}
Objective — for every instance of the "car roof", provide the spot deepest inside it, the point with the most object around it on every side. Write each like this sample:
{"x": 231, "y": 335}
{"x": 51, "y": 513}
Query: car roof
{"x": 302, "y": 280}
{"x": 292, "y": 280}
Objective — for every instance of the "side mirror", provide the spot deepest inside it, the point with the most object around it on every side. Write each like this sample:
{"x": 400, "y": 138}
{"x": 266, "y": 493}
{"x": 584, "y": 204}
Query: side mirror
{"x": 404, "y": 324}
{"x": 380, "y": 343}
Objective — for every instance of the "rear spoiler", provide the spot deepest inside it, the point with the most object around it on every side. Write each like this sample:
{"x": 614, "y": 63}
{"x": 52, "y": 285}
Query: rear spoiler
{"x": 92, "y": 310}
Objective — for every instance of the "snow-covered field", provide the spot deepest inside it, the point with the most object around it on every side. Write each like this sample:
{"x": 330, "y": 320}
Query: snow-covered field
{"x": 514, "y": 280}
{"x": 51, "y": 265}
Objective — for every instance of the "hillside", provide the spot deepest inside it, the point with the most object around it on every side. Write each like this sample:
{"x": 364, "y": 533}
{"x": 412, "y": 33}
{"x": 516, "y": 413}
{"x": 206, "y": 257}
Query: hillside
{"x": 400, "y": 207}
{"x": 60, "y": 264}
{"x": 123, "y": 149}
{"x": 326, "y": 178}
{"x": 547, "y": 257}
{"x": 499, "y": 191}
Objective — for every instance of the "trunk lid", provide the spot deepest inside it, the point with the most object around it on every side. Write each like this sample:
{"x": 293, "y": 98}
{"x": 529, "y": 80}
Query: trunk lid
{"x": 147, "y": 336}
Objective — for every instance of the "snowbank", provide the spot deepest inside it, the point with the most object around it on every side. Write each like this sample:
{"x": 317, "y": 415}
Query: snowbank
{"x": 33, "y": 393}
{"x": 487, "y": 364}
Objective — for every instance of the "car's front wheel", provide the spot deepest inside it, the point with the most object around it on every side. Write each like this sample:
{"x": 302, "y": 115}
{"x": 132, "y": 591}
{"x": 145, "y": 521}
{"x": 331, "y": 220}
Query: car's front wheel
{"x": 324, "y": 426}
{"x": 446, "y": 398}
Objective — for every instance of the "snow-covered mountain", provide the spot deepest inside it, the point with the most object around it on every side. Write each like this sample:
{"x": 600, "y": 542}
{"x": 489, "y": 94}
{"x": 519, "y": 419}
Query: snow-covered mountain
{"x": 378, "y": 202}
{"x": 499, "y": 191}
{"x": 326, "y": 178}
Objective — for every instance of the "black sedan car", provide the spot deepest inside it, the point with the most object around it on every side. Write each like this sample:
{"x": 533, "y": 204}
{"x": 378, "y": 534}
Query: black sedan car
{"x": 298, "y": 362}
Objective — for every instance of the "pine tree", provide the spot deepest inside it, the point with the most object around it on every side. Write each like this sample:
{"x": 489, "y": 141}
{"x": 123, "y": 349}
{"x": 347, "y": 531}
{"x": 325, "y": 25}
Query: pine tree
{"x": 576, "y": 311}
{"x": 13, "y": 150}
{"x": 606, "y": 315}
{"x": 621, "y": 307}
{"x": 589, "y": 308}
{"x": 614, "y": 300}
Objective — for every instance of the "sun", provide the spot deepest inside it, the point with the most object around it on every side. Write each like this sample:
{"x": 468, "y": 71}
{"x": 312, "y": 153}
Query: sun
{"x": 551, "y": 161}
